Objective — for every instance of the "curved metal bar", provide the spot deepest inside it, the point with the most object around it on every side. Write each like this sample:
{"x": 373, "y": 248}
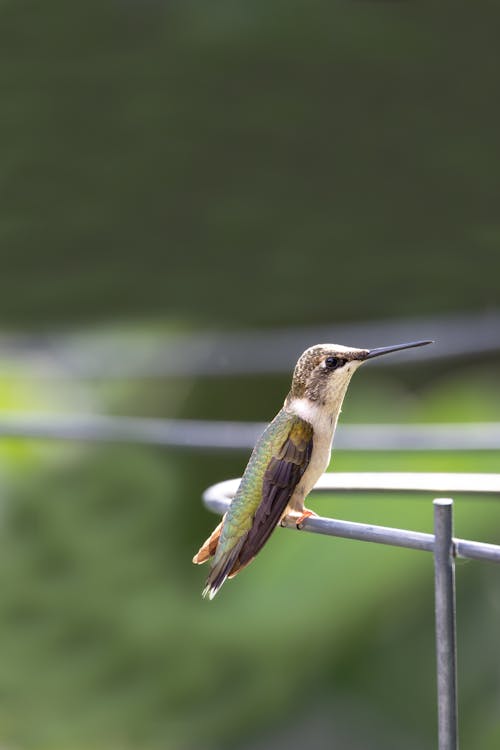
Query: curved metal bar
{"x": 218, "y": 498}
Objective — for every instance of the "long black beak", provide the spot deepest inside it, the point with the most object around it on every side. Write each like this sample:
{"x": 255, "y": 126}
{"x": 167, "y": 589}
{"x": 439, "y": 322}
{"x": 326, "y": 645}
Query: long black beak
{"x": 388, "y": 349}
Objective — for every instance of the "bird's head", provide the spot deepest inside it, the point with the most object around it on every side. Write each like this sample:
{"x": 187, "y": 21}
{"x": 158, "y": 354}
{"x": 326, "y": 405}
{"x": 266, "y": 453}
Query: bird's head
{"x": 323, "y": 372}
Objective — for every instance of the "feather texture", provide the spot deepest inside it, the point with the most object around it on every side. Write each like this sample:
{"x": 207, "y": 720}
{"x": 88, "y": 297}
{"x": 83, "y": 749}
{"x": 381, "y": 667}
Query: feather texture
{"x": 274, "y": 470}
{"x": 207, "y": 550}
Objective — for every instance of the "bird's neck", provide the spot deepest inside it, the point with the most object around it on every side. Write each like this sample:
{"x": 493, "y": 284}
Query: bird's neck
{"x": 322, "y": 416}
{"x": 320, "y": 403}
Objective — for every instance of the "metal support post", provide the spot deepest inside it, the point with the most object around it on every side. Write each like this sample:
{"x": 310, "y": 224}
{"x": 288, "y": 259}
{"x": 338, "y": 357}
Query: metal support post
{"x": 444, "y": 576}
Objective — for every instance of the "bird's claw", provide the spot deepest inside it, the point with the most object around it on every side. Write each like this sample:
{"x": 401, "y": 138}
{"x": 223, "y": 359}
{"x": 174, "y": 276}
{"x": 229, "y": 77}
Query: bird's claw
{"x": 299, "y": 519}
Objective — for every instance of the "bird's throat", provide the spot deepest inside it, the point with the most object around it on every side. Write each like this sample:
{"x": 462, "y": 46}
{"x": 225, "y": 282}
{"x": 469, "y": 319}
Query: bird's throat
{"x": 322, "y": 417}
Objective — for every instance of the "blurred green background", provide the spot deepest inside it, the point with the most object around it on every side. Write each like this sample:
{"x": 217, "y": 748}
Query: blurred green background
{"x": 188, "y": 166}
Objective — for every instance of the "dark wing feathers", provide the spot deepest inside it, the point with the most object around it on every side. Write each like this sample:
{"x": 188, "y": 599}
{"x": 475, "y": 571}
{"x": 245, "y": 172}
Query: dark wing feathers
{"x": 294, "y": 451}
{"x": 280, "y": 480}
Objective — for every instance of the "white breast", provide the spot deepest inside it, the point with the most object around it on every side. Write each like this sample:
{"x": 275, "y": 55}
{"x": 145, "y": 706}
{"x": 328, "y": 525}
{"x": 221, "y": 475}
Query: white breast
{"x": 323, "y": 422}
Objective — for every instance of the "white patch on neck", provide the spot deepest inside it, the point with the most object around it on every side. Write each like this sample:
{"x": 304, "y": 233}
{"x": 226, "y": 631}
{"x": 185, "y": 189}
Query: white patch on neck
{"x": 321, "y": 418}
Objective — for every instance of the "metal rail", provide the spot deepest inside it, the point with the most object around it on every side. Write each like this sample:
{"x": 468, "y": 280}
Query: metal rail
{"x": 442, "y": 544}
{"x": 198, "y": 434}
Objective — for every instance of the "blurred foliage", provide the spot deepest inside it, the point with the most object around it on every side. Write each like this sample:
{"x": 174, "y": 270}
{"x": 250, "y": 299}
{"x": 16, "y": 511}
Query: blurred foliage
{"x": 293, "y": 161}
{"x": 19, "y": 393}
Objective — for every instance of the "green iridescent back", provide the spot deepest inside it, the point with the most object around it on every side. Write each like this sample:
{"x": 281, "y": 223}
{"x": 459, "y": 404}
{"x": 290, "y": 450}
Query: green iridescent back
{"x": 239, "y": 517}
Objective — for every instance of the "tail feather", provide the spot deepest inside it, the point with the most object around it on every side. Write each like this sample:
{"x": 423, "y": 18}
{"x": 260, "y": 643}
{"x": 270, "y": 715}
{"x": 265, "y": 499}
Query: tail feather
{"x": 221, "y": 570}
{"x": 209, "y": 547}
{"x": 226, "y": 567}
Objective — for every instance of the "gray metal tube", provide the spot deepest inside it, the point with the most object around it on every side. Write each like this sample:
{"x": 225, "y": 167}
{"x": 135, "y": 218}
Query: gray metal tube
{"x": 444, "y": 572}
{"x": 365, "y": 532}
{"x": 218, "y": 498}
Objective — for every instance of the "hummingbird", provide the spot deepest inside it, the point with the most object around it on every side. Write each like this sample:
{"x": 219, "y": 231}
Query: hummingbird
{"x": 287, "y": 460}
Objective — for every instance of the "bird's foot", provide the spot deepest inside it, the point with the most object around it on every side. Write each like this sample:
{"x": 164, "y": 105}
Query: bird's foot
{"x": 306, "y": 514}
{"x": 299, "y": 518}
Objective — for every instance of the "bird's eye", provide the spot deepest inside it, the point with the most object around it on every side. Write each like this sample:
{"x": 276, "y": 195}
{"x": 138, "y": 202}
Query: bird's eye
{"x": 331, "y": 363}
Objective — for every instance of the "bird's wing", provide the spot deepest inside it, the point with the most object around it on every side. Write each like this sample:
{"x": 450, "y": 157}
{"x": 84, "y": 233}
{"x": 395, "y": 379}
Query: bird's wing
{"x": 280, "y": 480}
{"x": 264, "y": 493}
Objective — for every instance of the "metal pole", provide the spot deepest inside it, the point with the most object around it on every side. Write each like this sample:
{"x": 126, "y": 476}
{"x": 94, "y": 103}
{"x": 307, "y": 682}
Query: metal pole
{"x": 444, "y": 578}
